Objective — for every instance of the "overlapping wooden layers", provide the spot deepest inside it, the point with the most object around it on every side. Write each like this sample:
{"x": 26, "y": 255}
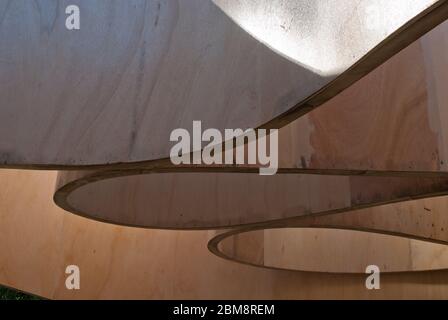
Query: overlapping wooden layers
{"x": 382, "y": 140}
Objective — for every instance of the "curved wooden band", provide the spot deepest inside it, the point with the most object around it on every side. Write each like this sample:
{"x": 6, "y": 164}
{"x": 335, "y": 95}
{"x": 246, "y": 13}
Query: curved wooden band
{"x": 403, "y": 237}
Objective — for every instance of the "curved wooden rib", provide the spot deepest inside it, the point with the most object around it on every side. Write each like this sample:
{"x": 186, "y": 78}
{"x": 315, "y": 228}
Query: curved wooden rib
{"x": 160, "y": 65}
{"x": 373, "y": 129}
{"x": 346, "y": 242}
{"x": 330, "y": 250}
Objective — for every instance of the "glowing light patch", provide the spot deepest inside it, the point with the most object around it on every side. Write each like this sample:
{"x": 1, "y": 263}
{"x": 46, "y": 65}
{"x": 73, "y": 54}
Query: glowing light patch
{"x": 324, "y": 36}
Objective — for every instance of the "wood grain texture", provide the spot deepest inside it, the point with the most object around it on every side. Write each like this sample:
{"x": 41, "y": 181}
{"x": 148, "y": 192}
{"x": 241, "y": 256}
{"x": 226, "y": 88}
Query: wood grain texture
{"x": 38, "y": 241}
{"x": 112, "y": 92}
{"x": 142, "y": 94}
{"x": 385, "y": 125}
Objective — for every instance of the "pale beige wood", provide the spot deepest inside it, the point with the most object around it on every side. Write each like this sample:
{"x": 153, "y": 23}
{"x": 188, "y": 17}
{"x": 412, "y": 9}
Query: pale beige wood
{"x": 332, "y": 250}
{"x": 38, "y": 241}
{"x": 112, "y": 92}
{"x": 105, "y": 276}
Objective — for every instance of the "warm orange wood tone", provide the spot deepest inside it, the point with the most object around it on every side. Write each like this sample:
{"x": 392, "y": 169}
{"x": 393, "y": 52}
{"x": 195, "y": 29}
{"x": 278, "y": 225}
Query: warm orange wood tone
{"x": 38, "y": 241}
{"x": 72, "y": 101}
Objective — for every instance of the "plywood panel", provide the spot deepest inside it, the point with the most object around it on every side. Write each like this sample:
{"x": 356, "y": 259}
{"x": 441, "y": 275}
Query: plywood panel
{"x": 38, "y": 240}
{"x": 112, "y": 92}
